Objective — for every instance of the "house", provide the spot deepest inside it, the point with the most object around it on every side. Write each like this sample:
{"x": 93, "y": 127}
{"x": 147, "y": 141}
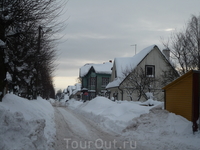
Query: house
{"x": 74, "y": 91}
{"x": 94, "y": 78}
{"x": 128, "y": 73}
{"x": 182, "y": 97}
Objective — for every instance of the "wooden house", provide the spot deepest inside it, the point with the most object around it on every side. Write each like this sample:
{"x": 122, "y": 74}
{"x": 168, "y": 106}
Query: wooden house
{"x": 151, "y": 60}
{"x": 182, "y": 97}
{"x": 94, "y": 78}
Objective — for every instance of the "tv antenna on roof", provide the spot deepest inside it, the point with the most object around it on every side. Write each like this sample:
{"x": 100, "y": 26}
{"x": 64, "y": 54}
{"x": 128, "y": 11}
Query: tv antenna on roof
{"x": 135, "y": 47}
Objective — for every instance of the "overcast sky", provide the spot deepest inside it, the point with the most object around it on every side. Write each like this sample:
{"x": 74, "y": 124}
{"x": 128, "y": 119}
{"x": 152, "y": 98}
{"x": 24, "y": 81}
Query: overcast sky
{"x": 100, "y": 30}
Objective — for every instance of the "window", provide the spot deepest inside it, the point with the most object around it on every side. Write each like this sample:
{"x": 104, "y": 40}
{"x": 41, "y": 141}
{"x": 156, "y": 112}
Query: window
{"x": 92, "y": 81}
{"x": 150, "y": 70}
{"x": 105, "y": 81}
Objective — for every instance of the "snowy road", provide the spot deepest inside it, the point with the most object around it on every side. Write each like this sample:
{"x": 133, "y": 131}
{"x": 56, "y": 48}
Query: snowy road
{"x": 76, "y": 132}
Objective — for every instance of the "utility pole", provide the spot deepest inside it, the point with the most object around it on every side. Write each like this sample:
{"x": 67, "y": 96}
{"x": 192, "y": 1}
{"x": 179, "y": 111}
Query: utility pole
{"x": 37, "y": 62}
{"x": 3, "y": 70}
{"x": 135, "y": 47}
{"x": 38, "y": 58}
{"x": 3, "y": 67}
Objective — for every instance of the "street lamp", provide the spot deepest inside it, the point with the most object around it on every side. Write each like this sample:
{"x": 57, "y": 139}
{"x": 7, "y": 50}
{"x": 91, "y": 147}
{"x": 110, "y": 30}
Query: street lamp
{"x": 135, "y": 47}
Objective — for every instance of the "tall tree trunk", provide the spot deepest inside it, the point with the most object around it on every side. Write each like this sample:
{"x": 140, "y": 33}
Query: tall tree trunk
{"x": 2, "y": 62}
{"x": 2, "y": 74}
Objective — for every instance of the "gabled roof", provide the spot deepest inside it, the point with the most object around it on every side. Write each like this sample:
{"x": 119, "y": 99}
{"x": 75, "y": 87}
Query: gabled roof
{"x": 131, "y": 62}
{"x": 104, "y": 68}
{"x": 128, "y": 63}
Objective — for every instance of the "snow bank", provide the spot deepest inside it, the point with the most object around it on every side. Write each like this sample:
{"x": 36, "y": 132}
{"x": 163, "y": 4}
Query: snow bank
{"x": 74, "y": 103}
{"x": 151, "y": 102}
{"x": 163, "y": 130}
{"x": 150, "y": 125}
{"x": 26, "y": 124}
{"x": 116, "y": 111}
{"x": 113, "y": 115}
{"x": 162, "y": 122}
{"x": 97, "y": 105}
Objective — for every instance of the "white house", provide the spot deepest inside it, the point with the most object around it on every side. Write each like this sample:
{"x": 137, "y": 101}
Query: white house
{"x": 154, "y": 65}
{"x": 74, "y": 91}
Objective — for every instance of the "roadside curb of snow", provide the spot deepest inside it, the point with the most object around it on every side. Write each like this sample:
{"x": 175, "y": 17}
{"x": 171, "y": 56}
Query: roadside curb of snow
{"x": 161, "y": 120}
{"x": 18, "y": 133}
{"x": 26, "y": 124}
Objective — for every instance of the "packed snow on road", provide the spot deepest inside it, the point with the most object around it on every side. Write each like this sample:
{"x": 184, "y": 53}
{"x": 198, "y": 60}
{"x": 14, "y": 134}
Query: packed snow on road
{"x": 96, "y": 124}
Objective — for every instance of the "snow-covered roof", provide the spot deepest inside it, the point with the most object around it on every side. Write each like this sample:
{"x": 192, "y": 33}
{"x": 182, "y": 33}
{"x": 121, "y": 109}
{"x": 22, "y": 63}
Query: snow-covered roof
{"x": 84, "y": 69}
{"x": 127, "y": 64}
{"x": 73, "y": 89}
{"x": 77, "y": 88}
{"x": 114, "y": 83}
{"x": 104, "y": 68}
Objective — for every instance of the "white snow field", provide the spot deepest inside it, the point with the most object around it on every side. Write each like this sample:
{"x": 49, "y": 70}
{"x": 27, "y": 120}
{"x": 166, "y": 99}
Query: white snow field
{"x": 26, "y": 125}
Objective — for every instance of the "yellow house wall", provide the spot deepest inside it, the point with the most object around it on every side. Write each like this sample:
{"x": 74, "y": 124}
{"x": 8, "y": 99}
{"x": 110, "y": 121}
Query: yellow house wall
{"x": 179, "y": 98}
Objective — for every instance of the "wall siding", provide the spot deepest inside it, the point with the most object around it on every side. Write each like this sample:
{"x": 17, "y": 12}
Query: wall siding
{"x": 99, "y": 81}
{"x": 179, "y": 98}
{"x": 153, "y": 58}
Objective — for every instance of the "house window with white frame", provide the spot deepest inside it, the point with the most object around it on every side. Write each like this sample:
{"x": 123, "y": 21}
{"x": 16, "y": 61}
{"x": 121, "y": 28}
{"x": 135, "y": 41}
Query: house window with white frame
{"x": 150, "y": 70}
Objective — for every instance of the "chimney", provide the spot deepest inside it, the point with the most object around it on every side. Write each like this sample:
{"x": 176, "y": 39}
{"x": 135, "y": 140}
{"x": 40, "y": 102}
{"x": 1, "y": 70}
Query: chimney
{"x": 166, "y": 52}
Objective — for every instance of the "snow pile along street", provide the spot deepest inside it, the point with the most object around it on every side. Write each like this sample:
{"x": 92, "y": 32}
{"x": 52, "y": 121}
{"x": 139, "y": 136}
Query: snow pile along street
{"x": 149, "y": 126}
{"x": 114, "y": 116}
{"x": 26, "y": 124}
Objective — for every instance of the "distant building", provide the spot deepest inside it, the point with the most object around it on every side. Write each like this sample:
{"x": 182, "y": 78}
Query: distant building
{"x": 94, "y": 79}
{"x": 74, "y": 91}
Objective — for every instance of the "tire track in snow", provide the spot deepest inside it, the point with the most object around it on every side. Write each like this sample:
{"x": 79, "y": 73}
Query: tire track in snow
{"x": 74, "y": 131}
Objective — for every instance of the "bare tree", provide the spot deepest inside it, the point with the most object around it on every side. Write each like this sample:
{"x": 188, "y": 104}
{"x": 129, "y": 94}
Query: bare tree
{"x": 185, "y": 46}
{"x": 79, "y": 80}
{"x": 137, "y": 81}
{"x": 168, "y": 75}
{"x": 29, "y": 49}
{"x": 59, "y": 94}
